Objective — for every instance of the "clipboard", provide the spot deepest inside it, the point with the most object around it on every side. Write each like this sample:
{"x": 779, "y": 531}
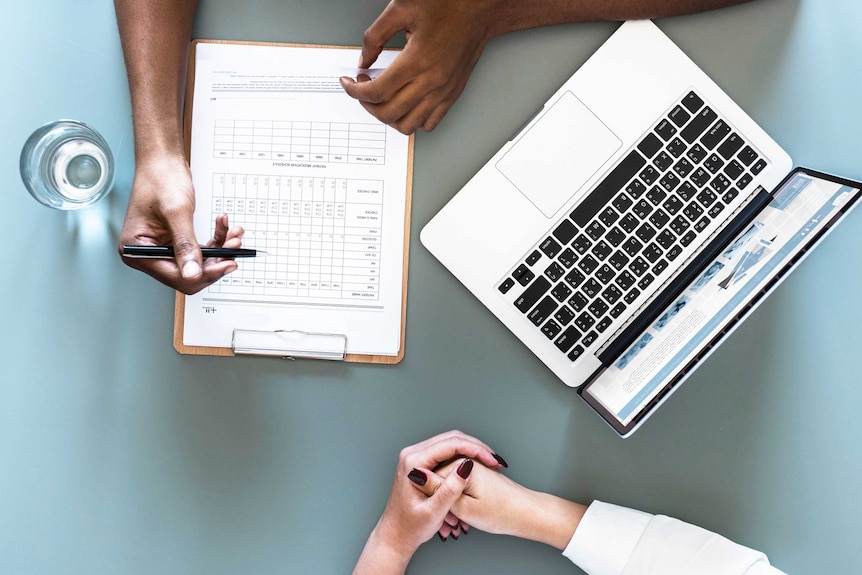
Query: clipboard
{"x": 288, "y": 343}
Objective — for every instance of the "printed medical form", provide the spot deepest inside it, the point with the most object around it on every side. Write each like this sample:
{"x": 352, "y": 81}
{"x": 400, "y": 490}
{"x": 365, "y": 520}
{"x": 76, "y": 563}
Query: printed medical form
{"x": 316, "y": 182}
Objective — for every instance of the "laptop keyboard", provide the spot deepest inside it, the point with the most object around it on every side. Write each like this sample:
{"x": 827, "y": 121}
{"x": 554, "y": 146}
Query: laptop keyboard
{"x": 633, "y": 226}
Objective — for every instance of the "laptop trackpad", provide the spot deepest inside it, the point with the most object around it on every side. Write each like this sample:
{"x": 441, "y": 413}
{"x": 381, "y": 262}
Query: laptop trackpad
{"x": 552, "y": 160}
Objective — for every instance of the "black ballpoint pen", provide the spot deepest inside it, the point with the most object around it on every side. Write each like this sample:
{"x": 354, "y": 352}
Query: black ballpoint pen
{"x": 167, "y": 252}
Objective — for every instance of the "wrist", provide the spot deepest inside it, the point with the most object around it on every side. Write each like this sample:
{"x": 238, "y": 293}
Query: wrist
{"x": 384, "y": 553}
{"x": 550, "y": 520}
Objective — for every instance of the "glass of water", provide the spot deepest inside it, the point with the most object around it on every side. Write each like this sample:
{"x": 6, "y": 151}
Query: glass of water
{"x": 67, "y": 165}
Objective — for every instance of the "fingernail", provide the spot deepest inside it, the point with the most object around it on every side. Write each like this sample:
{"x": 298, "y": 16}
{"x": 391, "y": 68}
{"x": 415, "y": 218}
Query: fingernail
{"x": 455, "y": 537}
{"x": 465, "y": 468}
{"x": 443, "y": 539}
{"x": 191, "y": 269}
{"x": 417, "y": 477}
{"x": 500, "y": 460}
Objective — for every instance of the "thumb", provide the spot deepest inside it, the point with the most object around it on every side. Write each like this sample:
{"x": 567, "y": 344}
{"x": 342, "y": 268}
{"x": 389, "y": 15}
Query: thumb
{"x": 443, "y": 493}
{"x": 187, "y": 252}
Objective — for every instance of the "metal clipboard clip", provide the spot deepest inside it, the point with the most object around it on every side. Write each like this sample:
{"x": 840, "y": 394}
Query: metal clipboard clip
{"x": 290, "y": 344}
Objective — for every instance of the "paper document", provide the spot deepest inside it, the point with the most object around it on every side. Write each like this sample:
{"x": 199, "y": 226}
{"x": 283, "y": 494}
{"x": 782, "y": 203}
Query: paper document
{"x": 317, "y": 183}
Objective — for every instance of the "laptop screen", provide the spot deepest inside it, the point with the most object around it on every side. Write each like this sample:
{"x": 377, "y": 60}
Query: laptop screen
{"x": 803, "y": 208}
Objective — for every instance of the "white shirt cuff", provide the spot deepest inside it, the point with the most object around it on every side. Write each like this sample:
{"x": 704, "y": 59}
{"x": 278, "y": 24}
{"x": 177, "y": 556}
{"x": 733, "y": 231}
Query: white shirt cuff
{"x": 606, "y": 538}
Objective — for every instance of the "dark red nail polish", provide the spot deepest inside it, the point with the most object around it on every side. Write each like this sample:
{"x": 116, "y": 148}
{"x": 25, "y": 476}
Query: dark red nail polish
{"x": 417, "y": 477}
{"x": 455, "y": 537}
{"x": 443, "y": 539}
{"x": 465, "y": 468}
{"x": 500, "y": 460}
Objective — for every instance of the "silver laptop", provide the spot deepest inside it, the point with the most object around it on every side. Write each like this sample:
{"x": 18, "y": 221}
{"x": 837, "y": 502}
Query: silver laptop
{"x": 631, "y": 224}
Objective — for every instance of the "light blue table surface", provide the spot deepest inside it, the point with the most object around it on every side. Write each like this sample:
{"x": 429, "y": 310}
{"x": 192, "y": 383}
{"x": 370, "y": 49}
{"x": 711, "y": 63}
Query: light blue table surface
{"x": 117, "y": 455}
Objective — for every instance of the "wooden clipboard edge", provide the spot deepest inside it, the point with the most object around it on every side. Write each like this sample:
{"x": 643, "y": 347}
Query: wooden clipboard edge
{"x": 180, "y": 301}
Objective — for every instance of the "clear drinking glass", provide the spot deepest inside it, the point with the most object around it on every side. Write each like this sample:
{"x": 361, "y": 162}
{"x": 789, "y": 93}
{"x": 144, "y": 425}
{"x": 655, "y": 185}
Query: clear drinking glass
{"x": 67, "y": 165}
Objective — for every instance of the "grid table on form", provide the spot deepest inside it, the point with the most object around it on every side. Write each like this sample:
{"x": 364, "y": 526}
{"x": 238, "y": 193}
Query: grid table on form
{"x": 322, "y": 235}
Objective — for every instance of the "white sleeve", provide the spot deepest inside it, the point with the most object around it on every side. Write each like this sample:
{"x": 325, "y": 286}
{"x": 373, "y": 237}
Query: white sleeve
{"x": 613, "y": 540}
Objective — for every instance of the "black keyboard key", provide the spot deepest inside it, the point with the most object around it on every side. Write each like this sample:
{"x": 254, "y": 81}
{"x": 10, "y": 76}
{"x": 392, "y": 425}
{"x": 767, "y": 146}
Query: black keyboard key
{"x": 697, "y": 153}
{"x": 659, "y": 266}
{"x": 590, "y": 288}
{"x": 645, "y": 232}
{"x": 648, "y": 175}
{"x": 595, "y": 230}
{"x": 632, "y": 246}
{"x": 523, "y": 275}
{"x": 687, "y": 238}
{"x": 542, "y": 311}
{"x": 665, "y": 129}
{"x": 663, "y": 161}
{"x": 716, "y": 209}
{"x": 646, "y": 281}
{"x": 713, "y": 163}
{"x": 650, "y": 145}
{"x": 730, "y": 195}
{"x": 656, "y": 195}
{"x": 720, "y": 183}
{"x": 683, "y": 167}
{"x": 639, "y": 266}
{"x": 617, "y": 310}
{"x": 677, "y": 147}
{"x": 561, "y": 292}
{"x": 672, "y": 205}
{"x": 673, "y": 253}
{"x": 585, "y": 321}
{"x": 665, "y": 239}
{"x": 532, "y": 294}
{"x": 588, "y": 263}
{"x": 747, "y": 156}
{"x": 706, "y": 197}
{"x": 554, "y": 271}
{"x": 733, "y": 170}
{"x": 632, "y": 295}
{"x": 507, "y": 284}
{"x": 533, "y": 257}
{"x": 550, "y": 247}
{"x": 607, "y": 189}
{"x": 565, "y": 232}
{"x": 576, "y": 352}
{"x": 625, "y": 280}
{"x": 635, "y": 189}
{"x": 701, "y": 224}
{"x": 659, "y": 218}
{"x": 598, "y": 308}
{"x": 758, "y": 166}
{"x": 642, "y": 209}
{"x": 611, "y": 294}
{"x": 743, "y": 182}
{"x": 692, "y": 101}
{"x": 679, "y": 224}
{"x": 567, "y": 257}
{"x": 679, "y": 116}
{"x": 602, "y": 250}
{"x": 568, "y": 338}
{"x": 628, "y": 223}
{"x": 730, "y": 146}
{"x": 698, "y": 124}
{"x": 652, "y": 252}
{"x": 605, "y": 273}
{"x": 608, "y": 216}
{"x": 589, "y": 338}
{"x": 615, "y": 236}
{"x": 582, "y": 243}
{"x": 575, "y": 278}
{"x": 686, "y": 191}
{"x": 622, "y": 202}
{"x": 619, "y": 260}
{"x": 603, "y": 324}
{"x": 551, "y": 329}
{"x": 565, "y": 316}
{"x": 700, "y": 177}
{"x": 715, "y": 134}
{"x": 578, "y": 301}
{"x": 669, "y": 181}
